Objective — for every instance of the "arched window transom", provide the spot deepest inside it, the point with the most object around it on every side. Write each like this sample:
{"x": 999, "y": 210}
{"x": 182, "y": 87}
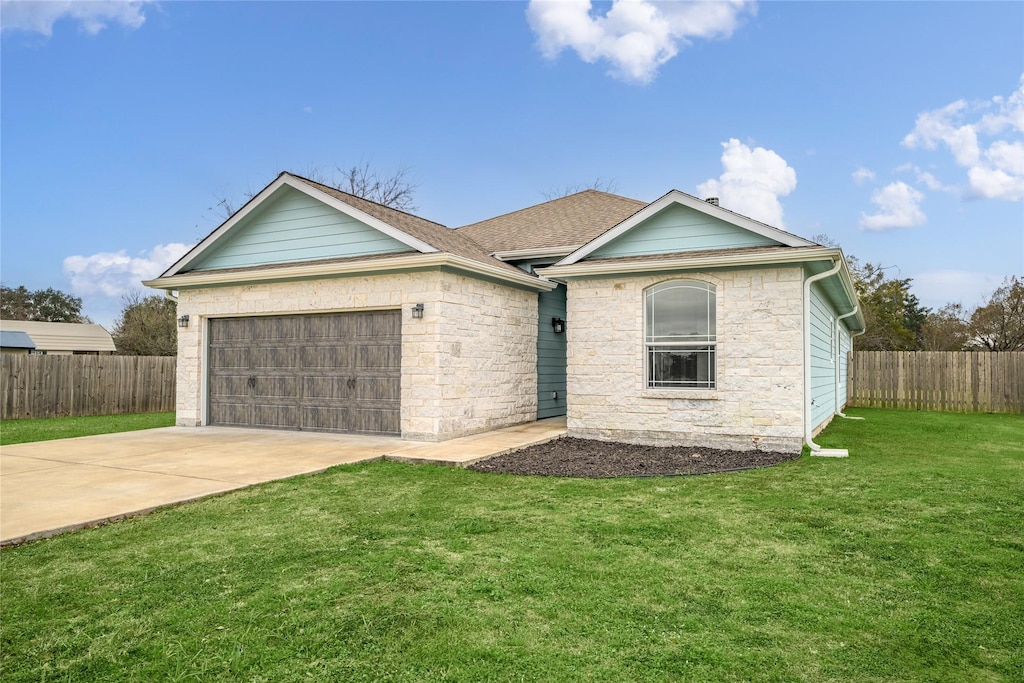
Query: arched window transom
{"x": 680, "y": 335}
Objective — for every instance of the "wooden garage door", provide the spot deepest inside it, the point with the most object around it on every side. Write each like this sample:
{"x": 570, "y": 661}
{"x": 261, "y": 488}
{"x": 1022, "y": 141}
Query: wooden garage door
{"x": 338, "y": 372}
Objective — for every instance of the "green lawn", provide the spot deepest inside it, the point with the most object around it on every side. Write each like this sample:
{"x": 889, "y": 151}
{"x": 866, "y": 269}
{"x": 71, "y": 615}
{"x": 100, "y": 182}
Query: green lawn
{"x": 23, "y": 431}
{"x": 904, "y": 562}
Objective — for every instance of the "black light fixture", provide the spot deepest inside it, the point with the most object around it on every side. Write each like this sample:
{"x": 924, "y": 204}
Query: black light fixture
{"x": 183, "y": 321}
{"x": 417, "y": 311}
{"x": 558, "y": 325}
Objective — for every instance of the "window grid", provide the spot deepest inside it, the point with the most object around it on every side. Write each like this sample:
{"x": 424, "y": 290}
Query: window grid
{"x": 684, "y": 357}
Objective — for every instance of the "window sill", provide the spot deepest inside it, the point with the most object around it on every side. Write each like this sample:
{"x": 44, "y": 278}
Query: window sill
{"x": 691, "y": 394}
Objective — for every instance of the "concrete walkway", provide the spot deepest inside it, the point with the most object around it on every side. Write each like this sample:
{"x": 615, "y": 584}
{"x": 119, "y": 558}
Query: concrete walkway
{"x": 52, "y": 486}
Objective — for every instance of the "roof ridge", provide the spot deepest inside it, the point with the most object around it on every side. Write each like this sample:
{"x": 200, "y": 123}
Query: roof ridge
{"x": 551, "y": 201}
{"x": 349, "y": 194}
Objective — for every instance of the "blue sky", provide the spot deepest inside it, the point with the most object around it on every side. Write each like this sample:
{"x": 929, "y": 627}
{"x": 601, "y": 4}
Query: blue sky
{"x": 897, "y": 129}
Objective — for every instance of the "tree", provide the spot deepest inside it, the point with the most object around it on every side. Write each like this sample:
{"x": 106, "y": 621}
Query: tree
{"x": 599, "y": 184}
{"x": 999, "y": 324}
{"x": 945, "y": 329}
{"x": 893, "y": 316}
{"x": 394, "y": 190}
{"x": 44, "y": 305}
{"x": 147, "y": 326}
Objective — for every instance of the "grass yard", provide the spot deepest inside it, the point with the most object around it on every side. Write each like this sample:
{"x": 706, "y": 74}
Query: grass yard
{"x": 44, "y": 429}
{"x": 904, "y": 562}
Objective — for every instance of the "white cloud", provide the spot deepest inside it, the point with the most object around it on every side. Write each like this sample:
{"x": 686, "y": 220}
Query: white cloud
{"x": 751, "y": 182}
{"x": 115, "y": 273}
{"x": 635, "y": 36}
{"x": 862, "y": 175}
{"x": 92, "y": 15}
{"x": 899, "y": 207}
{"x": 936, "y": 288}
{"x": 995, "y": 169}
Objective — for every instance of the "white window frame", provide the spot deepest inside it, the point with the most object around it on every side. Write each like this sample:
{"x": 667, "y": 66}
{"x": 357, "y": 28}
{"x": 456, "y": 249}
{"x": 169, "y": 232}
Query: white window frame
{"x": 708, "y": 343}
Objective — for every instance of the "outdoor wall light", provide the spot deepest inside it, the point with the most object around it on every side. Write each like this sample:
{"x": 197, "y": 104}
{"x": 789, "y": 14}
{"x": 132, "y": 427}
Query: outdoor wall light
{"x": 417, "y": 311}
{"x": 183, "y": 321}
{"x": 558, "y": 325}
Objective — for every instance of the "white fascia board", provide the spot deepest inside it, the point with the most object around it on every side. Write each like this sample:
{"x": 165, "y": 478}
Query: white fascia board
{"x": 536, "y": 252}
{"x": 625, "y": 266}
{"x": 677, "y": 197}
{"x": 311, "y": 271}
{"x": 291, "y": 181}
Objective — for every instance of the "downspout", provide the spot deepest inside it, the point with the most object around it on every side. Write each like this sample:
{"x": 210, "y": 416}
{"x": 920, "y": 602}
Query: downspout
{"x": 852, "y": 336}
{"x": 837, "y": 264}
{"x": 856, "y": 308}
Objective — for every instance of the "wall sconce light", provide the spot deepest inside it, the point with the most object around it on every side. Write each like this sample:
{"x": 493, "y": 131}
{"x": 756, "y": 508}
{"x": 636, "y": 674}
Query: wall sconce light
{"x": 417, "y": 311}
{"x": 558, "y": 325}
{"x": 183, "y": 321}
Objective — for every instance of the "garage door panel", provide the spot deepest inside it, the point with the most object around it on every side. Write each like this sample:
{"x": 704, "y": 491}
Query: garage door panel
{"x": 276, "y": 387}
{"x": 377, "y": 389}
{"x": 229, "y": 358}
{"x": 380, "y": 357}
{"x": 327, "y": 327}
{"x": 276, "y": 415}
{"x": 326, "y": 388}
{"x": 279, "y": 328}
{"x": 327, "y": 419}
{"x": 336, "y": 358}
{"x": 325, "y": 372}
{"x": 378, "y": 326}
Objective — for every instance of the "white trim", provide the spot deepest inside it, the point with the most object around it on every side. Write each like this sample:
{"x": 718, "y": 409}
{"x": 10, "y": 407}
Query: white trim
{"x": 316, "y": 270}
{"x": 291, "y": 181}
{"x": 536, "y": 252}
{"x": 677, "y": 197}
{"x": 625, "y": 265}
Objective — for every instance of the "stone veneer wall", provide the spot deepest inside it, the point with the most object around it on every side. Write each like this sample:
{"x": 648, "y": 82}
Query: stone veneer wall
{"x": 468, "y": 365}
{"x": 759, "y": 395}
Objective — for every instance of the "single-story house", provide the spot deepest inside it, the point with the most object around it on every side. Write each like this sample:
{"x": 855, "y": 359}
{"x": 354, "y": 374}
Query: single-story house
{"x": 63, "y": 339}
{"x": 676, "y": 322}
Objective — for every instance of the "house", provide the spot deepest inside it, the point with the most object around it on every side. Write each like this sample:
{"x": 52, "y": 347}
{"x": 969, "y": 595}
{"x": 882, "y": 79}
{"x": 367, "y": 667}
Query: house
{"x": 62, "y": 339}
{"x": 671, "y": 322}
{"x": 16, "y": 342}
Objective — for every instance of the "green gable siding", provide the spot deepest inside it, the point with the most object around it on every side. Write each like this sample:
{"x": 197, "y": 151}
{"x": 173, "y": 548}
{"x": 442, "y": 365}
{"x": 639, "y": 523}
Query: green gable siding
{"x": 291, "y": 226}
{"x": 551, "y": 355}
{"x": 679, "y": 228}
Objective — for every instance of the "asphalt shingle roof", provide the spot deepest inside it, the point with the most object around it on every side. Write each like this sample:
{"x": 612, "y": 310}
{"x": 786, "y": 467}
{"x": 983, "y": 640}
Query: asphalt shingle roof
{"x": 568, "y": 221}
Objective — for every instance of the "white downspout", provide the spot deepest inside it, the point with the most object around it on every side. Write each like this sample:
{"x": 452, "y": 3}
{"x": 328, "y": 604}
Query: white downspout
{"x": 808, "y": 427}
{"x": 852, "y": 336}
{"x": 856, "y": 308}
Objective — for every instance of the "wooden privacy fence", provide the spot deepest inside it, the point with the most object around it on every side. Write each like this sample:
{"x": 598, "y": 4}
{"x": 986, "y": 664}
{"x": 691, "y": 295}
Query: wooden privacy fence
{"x": 954, "y": 381}
{"x": 57, "y": 386}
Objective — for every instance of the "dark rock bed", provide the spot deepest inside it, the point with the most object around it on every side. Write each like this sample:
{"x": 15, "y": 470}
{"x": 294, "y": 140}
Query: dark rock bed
{"x": 569, "y": 457}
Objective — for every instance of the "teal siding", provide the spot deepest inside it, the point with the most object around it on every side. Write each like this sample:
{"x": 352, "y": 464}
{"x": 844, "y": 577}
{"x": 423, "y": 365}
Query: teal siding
{"x": 679, "y": 228}
{"x": 551, "y": 359}
{"x": 291, "y": 226}
{"x": 823, "y": 358}
{"x": 845, "y": 341}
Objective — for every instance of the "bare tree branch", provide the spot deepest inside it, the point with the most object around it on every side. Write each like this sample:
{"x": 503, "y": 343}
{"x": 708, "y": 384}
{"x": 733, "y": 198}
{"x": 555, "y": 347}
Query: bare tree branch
{"x": 599, "y": 184}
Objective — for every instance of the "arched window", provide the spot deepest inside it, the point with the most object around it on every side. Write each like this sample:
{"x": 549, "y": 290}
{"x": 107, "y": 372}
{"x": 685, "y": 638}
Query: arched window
{"x": 679, "y": 335}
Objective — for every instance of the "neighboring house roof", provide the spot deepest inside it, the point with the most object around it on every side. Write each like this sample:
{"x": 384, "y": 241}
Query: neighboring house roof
{"x": 569, "y": 222}
{"x": 62, "y": 336}
{"x": 12, "y": 339}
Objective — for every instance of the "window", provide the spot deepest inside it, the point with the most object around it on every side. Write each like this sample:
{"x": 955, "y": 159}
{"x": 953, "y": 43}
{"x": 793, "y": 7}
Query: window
{"x": 679, "y": 335}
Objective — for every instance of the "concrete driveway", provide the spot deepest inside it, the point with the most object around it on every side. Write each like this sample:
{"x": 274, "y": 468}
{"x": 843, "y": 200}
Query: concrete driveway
{"x": 52, "y": 486}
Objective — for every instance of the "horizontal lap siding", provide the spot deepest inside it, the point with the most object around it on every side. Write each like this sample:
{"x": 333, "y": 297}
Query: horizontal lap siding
{"x": 823, "y": 369}
{"x": 295, "y": 227}
{"x": 551, "y": 355}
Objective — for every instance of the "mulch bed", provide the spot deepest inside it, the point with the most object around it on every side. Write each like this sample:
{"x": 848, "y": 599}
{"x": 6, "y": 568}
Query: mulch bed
{"x": 569, "y": 457}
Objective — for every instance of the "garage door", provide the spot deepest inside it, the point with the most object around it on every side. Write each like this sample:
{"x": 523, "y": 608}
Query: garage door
{"x": 338, "y": 372}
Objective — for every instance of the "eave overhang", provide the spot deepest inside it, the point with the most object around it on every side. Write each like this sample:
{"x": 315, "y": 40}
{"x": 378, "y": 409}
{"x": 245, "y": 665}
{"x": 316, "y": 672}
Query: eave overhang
{"x": 321, "y": 270}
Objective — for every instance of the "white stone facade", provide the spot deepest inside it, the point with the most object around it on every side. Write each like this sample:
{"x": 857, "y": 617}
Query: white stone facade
{"x": 469, "y": 365}
{"x": 759, "y": 395}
